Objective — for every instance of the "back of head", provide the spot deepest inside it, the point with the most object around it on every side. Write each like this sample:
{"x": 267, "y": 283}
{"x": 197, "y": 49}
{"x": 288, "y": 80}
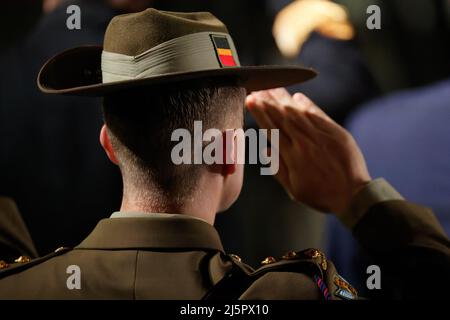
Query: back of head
{"x": 140, "y": 123}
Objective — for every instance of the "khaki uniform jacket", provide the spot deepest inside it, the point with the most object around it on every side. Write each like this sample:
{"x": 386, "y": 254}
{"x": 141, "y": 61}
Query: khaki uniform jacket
{"x": 177, "y": 257}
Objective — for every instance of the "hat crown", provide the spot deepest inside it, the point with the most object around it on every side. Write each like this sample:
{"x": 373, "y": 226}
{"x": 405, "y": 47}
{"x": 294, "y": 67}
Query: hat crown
{"x": 155, "y": 47}
{"x": 135, "y": 33}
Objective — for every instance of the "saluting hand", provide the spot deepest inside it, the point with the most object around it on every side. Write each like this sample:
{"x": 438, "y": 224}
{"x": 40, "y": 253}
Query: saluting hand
{"x": 320, "y": 163}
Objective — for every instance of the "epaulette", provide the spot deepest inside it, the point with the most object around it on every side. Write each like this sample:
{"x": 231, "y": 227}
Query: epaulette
{"x": 23, "y": 262}
{"x": 311, "y": 262}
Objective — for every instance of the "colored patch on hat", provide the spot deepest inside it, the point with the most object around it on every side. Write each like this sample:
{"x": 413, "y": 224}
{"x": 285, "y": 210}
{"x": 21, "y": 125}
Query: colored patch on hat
{"x": 223, "y": 51}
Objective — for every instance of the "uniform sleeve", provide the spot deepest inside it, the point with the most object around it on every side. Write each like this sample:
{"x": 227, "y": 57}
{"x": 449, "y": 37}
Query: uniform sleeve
{"x": 283, "y": 286}
{"x": 405, "y": 240}
{"x": 376, "y": 191}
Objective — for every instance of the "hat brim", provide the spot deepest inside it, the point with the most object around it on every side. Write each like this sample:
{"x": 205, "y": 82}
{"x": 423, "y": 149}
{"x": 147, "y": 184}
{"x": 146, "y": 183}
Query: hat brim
{"x": 77, "y": 72}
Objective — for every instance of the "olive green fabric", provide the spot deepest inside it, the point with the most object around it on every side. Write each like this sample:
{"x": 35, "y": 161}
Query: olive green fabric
{"x": 78, "y": 71}
{"x": 189, "y": 53}
{"x": 128, "y": 258}
{"x": 181, "y": 258}
{"x": 129, "y": 33}
{"x": 378, "y": 190}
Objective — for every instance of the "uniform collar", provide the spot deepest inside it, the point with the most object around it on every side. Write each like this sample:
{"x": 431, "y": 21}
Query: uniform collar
{"x": 134, "y": 214}
{"x": 153, "y": 232}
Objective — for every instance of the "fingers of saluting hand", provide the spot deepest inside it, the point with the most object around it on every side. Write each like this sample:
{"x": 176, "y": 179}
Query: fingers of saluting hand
{"x": 257, "y": 108}
{"x": 270, "y": 109}
{"x": 261, "y": 105}
{"x": 283, "y": 112}
{"x": 317, "y": 116}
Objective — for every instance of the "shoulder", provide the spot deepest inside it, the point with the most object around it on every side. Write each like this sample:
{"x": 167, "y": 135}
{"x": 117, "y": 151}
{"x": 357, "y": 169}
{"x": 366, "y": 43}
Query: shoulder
{"x": 302, "y": 275}
{"x": 22, "y": 263}
{"x": 277, "y": 285}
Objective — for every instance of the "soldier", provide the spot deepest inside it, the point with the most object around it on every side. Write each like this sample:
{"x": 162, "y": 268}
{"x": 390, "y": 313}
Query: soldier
{"x": 160, "y": 71}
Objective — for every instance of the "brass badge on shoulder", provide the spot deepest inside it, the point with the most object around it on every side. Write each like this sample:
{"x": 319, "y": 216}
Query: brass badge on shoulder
{"x": 22, "y": 259}
{"x": 268, "y": 260}
{"x": 317, "y": 254}
{"x": 291, "y": 255}
{"x": 235, "y": 257}
{"x": 3, "y": 265}
{"x": 19, "y": 260}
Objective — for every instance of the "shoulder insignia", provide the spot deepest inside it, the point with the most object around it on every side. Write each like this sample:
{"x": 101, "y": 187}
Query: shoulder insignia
{"x": 268, "y": 260}
{"x": 344, "y": 294}
{"x": 237, "y": 261}
{"x": 24, "y": 262}
{"x": 344, "y": 289}
{"x": 315, "y": 255}
{"x": 295, "y": 258}
{"x": 311, "y": 262}
{"x": 22, "y": 259}
{"x": 314, "y": 263}
{"x": 322, "y": 287}
{"x": 290, "y": 255}
{"x": 19, "y": 260}
{"x": 235, "y": 257}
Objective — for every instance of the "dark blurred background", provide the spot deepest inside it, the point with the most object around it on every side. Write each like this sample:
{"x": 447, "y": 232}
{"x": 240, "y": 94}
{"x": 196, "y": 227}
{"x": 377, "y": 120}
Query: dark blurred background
{"x": 389, "y": 87}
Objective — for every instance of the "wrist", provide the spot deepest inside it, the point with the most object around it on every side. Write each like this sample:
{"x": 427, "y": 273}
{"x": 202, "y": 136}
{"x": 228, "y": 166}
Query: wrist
{"x": 347, "y": 201}
{"x": 365, "y": 196}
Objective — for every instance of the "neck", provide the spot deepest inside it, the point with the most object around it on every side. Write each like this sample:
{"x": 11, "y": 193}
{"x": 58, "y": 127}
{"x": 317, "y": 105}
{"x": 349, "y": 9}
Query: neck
{"x": 201, "y": 204}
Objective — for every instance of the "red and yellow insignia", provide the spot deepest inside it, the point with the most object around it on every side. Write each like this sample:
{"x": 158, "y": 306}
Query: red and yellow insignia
{"x": 223, "y": 50}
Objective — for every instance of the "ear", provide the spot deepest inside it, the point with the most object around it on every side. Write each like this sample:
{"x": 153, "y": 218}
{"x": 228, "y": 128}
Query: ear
{"x": 107, "y": 146}
{"x": 229, "y": 152}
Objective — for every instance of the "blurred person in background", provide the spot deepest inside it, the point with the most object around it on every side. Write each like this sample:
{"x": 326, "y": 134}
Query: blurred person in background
{"x": 402, "y": 134}
{"x": 405, "y": 135}
{"x": 412, "y": 123}
{"x": 405, "y": 138}
{"x": 356, "y": 64}
{"x": 45, "y": 183}
{"x": 319, "y": 33}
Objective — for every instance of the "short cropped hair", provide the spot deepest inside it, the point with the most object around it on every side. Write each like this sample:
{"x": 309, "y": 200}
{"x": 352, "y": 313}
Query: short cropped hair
{"x": 140, "y": 123}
